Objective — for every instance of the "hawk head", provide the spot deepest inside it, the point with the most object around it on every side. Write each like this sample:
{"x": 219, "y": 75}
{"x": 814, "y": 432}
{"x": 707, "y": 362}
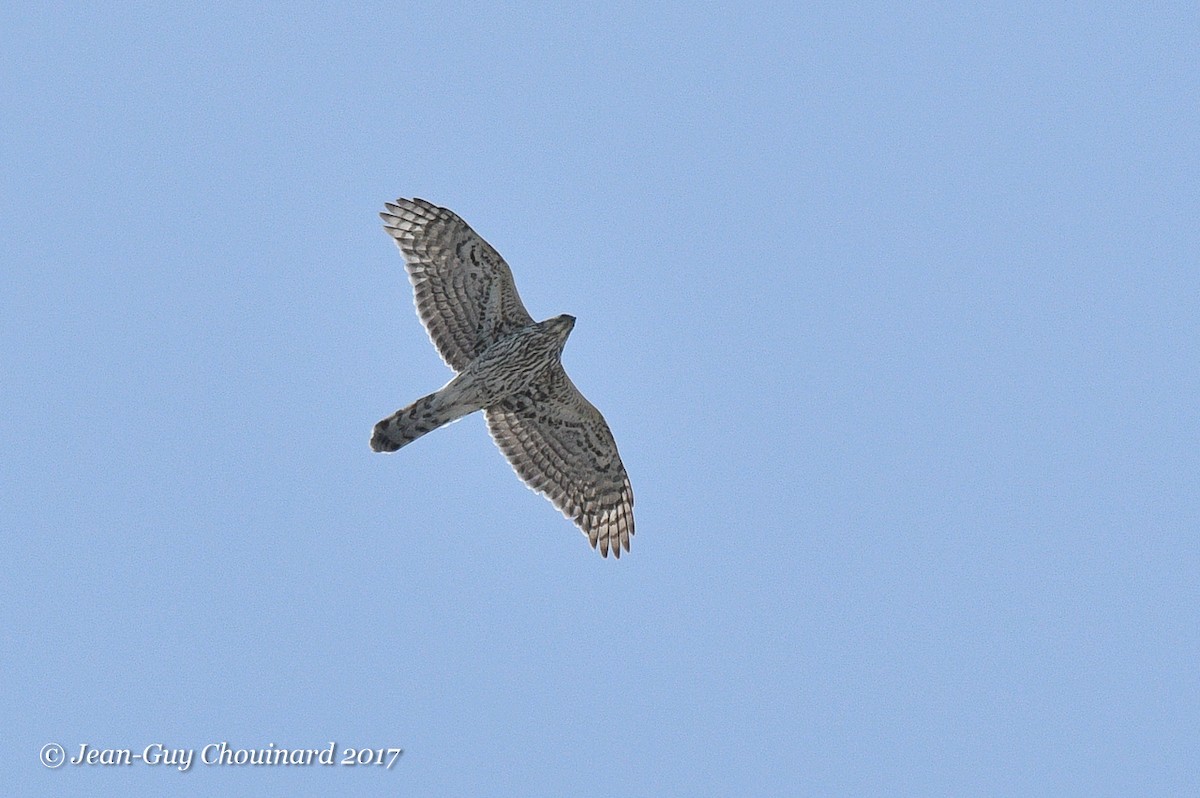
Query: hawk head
{"x": 560, "y": 327}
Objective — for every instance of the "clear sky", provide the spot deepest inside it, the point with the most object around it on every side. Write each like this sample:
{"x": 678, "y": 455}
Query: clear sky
{"x": 894, "y": 313}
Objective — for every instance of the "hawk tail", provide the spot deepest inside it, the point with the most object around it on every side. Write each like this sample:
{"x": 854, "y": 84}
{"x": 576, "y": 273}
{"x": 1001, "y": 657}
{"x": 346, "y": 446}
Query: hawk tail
{"x": 405, "y": 426}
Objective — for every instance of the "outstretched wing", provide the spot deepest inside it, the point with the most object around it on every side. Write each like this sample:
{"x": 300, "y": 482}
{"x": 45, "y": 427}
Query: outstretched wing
{"x": 561, "y": 447}
{"x": 464, "y": 290}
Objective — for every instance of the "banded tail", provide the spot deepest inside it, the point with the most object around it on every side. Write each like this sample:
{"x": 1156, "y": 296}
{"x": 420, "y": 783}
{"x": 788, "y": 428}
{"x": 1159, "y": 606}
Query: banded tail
{"x": 405, "y": 426}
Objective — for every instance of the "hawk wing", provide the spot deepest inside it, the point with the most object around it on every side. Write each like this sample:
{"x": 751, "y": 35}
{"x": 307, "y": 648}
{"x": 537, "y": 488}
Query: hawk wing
{"x": 463, "y": 289}
{"x": 561, "y": 447}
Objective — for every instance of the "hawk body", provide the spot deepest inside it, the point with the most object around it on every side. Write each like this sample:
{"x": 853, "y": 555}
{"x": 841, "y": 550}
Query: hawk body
{"x": 510, "y": 367}
{"x": 507, "y": 369}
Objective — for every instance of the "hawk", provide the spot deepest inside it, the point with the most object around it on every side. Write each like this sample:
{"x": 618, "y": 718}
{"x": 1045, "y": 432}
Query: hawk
{"x": 508, "y": 366}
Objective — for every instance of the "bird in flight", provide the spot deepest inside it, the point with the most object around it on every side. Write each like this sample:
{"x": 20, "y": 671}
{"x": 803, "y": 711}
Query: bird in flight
{"x": 508, "y": 366}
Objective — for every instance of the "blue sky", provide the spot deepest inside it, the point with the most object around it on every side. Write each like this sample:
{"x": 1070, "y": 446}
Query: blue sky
{"x": 893, "y": 312}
